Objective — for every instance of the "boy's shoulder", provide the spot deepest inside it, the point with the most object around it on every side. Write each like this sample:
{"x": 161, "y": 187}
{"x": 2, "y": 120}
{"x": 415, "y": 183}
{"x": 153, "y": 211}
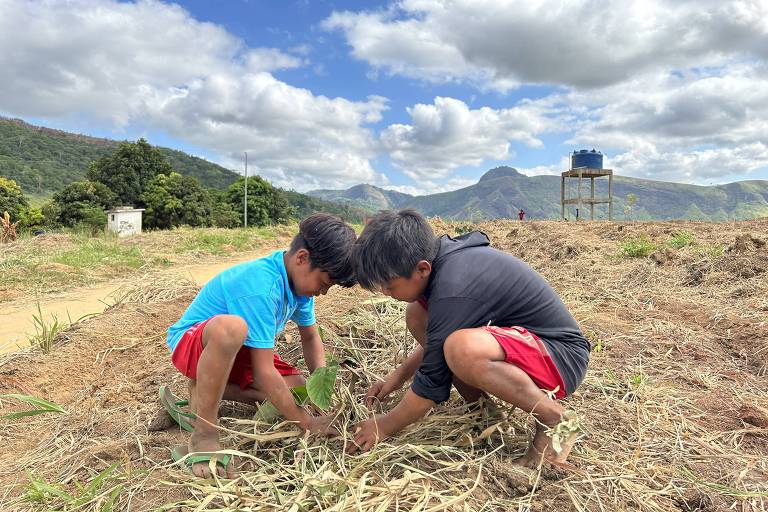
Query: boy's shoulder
{"x": 261, "y": 275}
{"x": 474, "y": 269}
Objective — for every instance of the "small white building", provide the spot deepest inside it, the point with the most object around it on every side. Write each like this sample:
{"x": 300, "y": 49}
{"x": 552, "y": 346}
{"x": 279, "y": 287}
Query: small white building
{"x": 124, "y": 220}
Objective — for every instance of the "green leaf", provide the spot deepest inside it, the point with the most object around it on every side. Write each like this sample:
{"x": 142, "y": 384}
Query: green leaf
{"x": 23, "y": 414}
{"x": 321, "y": 383}
{"x": 268, "y": 413}
{"x": 110, "y": 503}
{"x": 43, "y": 406}
{"x": 300, "y": 395}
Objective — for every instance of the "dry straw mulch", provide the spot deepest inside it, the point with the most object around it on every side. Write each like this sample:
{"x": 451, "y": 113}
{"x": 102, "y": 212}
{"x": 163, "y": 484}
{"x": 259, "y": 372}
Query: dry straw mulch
{"x": 673, "y": 408}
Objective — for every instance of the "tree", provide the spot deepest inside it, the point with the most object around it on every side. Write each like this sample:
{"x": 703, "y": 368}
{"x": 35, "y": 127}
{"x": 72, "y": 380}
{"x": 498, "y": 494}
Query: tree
{"x": 31, "y": 217}
{"x": 223, "y": 215}
{"x": 128, "y": 170}
{"x": 82, "y": 202}
{"x": 12, "y": 199}
{"x": 629, "y": 205}
{"x": 266, "y": 204}
{"x": 174, "y": 200}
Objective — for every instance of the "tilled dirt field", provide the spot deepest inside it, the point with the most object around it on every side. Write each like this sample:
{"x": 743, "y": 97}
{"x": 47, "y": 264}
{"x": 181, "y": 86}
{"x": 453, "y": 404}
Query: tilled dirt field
{"x": 674, "y": 411}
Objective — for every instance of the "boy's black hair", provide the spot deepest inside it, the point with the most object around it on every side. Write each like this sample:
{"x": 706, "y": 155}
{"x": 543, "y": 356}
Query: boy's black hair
{"x": 391, "y": 245}
{"x": 330, "y": 242}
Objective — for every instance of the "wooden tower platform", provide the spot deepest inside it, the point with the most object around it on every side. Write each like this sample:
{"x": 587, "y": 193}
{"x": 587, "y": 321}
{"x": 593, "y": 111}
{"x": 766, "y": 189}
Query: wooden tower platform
{"x": 581, "y": 173}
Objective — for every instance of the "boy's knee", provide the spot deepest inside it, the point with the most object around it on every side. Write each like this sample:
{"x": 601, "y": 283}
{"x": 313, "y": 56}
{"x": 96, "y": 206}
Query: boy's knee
{"x": 462, "y": 355}
{"x": 227, "y": 331}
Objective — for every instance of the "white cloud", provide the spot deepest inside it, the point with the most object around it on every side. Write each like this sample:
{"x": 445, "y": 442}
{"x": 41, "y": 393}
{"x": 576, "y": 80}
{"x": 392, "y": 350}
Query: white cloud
{"x": 669, "y": 89}
{"x": 425, "y": 187}
{"x": 150, "y": 63}
{"x": 554, "y": 170}
{"x": 296, "y": 138}
{"x": 670, "y": 126}
{"x": 702, "y": 167}
{"x": 448, "y": 134}
{"x": 664, "y": 109}
{"x": 581, "y": 43}
{"x": 666, "y": 86}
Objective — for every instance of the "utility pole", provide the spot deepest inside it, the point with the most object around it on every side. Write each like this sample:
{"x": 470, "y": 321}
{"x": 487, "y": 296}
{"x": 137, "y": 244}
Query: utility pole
{"x": 245, "y": 207}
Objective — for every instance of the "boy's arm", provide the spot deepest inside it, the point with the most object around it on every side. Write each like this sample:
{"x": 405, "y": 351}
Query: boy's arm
{"x": 312, "y": 345}
{"x": 272, "y": 383}
{"x": 432, "y": 379}
{"x": 278, "y": 394}
{"x": 410, "y": 409}
{"x": 395, "y": 380}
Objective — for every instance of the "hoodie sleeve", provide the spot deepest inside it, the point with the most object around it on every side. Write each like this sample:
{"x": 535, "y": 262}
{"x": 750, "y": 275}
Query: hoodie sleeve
{"x": 434, "y": 378}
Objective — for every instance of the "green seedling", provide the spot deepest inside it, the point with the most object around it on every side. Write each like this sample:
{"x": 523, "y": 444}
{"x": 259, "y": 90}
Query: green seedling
{"x": 97, "y": 490}
{"x": 639, "y": 247}
{"x": 45, "y": 331}
{"x": 318, "y": 391}
{"x": 680, "y": 240}
{"x": 41, "y": 406}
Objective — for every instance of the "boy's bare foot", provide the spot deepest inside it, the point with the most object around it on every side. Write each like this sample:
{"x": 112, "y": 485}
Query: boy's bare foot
{"x": 545, "y": 448}
{"x": 205, "y": 438}
{"x": 205, "y": 441}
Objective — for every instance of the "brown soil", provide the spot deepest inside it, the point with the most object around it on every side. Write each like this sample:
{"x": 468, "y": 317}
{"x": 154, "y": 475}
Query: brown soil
{"x": 673, "y": 407}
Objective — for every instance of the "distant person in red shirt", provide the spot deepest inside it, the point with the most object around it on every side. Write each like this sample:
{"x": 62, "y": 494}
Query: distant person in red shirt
{"x": 521, "y": 214}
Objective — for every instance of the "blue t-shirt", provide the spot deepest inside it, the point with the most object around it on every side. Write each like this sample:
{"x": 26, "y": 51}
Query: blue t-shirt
{"x": 256, "y": 291}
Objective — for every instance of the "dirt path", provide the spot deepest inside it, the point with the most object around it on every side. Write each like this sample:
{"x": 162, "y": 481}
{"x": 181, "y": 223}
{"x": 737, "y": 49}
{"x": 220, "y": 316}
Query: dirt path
{"x": 17, "y": 325}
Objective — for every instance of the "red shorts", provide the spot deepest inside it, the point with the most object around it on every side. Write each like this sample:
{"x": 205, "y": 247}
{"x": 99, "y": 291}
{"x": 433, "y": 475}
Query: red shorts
{"x": 526, "y": 351}
{"x": 187, "y": 354}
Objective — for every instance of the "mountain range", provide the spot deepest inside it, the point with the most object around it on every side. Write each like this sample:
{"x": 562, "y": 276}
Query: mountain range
{"x": 43, "y": 160}
{"x": 503, "y": 191}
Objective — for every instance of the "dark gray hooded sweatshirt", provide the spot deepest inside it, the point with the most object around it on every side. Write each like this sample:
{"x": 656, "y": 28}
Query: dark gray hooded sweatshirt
{"x": 473, "y": 285}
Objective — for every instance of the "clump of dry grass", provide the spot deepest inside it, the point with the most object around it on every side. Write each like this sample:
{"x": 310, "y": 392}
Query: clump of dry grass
{"x": 153, "y": 288}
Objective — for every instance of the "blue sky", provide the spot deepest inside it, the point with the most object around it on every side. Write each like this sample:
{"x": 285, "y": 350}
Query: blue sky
{"x": 417, "y": 95}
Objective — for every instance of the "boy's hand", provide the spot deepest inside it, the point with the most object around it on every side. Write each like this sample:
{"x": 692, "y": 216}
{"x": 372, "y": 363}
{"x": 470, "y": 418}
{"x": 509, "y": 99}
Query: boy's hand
{"x": 322, "y": 425}
{"x": 367, "y": 434}
{"x": 381, "y": 390}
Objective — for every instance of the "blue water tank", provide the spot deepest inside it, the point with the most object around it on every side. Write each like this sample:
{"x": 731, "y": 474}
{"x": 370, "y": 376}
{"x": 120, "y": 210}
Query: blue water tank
{"x": 586, "y": 158}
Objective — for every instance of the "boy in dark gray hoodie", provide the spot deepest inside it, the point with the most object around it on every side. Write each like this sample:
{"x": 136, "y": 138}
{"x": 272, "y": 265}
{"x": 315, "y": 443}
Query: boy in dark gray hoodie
{"x": 485, "y": 322}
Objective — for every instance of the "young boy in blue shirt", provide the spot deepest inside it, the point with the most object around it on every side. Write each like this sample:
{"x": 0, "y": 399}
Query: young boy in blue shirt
{"x": 485, "y": 322}
{"x": 225, "y": 340}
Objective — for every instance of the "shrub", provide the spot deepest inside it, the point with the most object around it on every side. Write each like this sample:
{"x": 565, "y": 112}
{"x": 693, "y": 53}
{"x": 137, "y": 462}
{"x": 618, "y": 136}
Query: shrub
{"x": 639, "y": 247}
{"x": 174, "y": 200}
{"x": 82, "y": 203}
{"x": 12, "y": 200}
{"x": 680, "y": 240}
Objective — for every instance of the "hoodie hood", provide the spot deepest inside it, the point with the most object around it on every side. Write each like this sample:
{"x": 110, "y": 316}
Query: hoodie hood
{"x": 449, "y": 245}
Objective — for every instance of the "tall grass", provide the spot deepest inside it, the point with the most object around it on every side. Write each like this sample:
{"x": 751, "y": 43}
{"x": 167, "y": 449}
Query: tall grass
{"x": 225, "y": 241}
{"x": 45, "y": 331}
{"x": 93, "y": 252}
{"x": 100, "y": 493}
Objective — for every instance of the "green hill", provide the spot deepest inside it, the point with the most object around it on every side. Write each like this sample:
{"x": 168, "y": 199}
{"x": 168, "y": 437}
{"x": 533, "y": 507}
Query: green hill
{"x": 42, "y": 160}
{"x": 364, "y": 196}
{"x": 502, "y": 191}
